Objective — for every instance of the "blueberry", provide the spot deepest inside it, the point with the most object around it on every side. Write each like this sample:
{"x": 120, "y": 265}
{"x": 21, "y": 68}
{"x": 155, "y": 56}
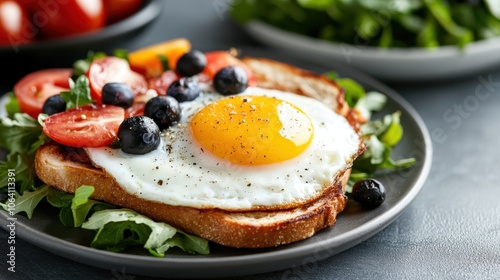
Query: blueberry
{"x": 191, "y": 63}
{"x": 138, "y": 135}
{"x": 184, "y": 89}
{"x": 54, "y": 104}
{"x": 230, "y": 80}
{"x": 118, "y": 94}
{"x": 369, "y": 193}
{"x": 163, "y": 110}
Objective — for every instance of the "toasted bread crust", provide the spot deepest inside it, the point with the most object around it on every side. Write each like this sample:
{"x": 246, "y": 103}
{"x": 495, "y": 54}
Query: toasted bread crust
{"x": 67, "y": 169}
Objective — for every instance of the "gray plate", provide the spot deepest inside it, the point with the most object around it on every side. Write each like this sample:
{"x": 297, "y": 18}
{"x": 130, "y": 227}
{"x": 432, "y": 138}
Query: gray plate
{"x": 354, "y": 225}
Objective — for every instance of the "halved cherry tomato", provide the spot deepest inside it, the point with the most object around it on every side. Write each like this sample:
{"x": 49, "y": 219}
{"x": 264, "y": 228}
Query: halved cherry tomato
{"x": 32, "y": 90}
{"x": 69, "y": 17}
{"x": 113, "y": 69}
{"x": 120, "y": 9}
{"x": 87, "y": 126}
{"x": 147, "y": 60}
{"x": 162, "y": 83}
{"x": 15, "y": 28}
{"x": 217, "y": 60}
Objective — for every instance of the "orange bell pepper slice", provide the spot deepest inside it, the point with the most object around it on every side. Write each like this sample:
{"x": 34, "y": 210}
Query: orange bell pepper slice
{"x": 149, "y": 60}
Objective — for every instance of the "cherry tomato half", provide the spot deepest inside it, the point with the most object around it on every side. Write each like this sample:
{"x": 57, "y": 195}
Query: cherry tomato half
{"x": 32, "y": 90}
{"x": 87, "y": 126}
{"x": 15, "y": 28}
{"x": 69, "y": 17}
{"x": 162, "y": 83}
{"x": 217, "y": 60}
{"x": 113, "y": 69}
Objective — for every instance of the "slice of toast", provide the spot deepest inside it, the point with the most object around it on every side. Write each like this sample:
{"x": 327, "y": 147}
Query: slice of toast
{"x": 68, "y": 168}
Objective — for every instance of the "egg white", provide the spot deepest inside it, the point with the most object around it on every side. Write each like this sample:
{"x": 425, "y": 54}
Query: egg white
{"x": 181, "y": 173}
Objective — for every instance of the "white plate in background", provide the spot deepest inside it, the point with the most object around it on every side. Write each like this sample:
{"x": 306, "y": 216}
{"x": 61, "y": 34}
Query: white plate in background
{"x": 397, "y": 64}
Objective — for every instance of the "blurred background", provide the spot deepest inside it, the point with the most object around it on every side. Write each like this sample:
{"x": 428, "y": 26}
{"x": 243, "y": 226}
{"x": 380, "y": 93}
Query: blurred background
{"x": 392, "y": 40}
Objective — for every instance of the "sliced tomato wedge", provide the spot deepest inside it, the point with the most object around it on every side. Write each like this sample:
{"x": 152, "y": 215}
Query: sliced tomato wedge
{"x": 217, "y": 60}
{"x": 113, "y": 69}
{"x": 86, "y": 126}
{"x": 32, "y": 90}
{"x": 161, "y": 84}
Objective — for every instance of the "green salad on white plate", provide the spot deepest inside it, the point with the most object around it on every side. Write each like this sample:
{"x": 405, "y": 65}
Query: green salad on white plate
{"x": 379, "y": 23}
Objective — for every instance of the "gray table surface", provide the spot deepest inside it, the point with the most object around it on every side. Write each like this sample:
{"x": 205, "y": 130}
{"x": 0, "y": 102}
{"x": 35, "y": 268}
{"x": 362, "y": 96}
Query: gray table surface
{"x": 450, "y": 231}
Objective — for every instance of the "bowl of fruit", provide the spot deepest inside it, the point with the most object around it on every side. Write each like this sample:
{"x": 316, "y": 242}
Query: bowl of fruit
{"x": 50, "y": 33}
{"x": 392, "y": 40}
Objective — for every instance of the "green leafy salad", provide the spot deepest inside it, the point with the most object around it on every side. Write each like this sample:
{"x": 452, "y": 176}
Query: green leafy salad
{"x": 115, "y": 228}
{"x": 381, "y": 135}
{"x": 379, "y": 23}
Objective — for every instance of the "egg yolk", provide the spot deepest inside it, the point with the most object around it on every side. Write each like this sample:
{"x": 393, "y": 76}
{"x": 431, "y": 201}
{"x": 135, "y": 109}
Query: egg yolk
{"x": 252, "y": 130}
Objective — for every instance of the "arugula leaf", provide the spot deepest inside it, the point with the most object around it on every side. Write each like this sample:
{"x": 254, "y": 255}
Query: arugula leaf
{"x": 388, "y": 129}
{"x": 377, "y": 157}
{"x": 189, "y": 243}
{"x": 20, "y": 134}
{"x": 75, "y": 207}
{"x": 118, "y": 236}
{"x": 12, "y": 106}
{"x": 427, "y": 37}
{"x": 442, "y": 14}
{"x": 394, "y": 131}
{"x": 58, "y": 198}
{"x": 157, "y": 242}
{"x": 28, "y": 201}
{"x": 353, "y": 91}
{"x": 22, "y": 164}
{"x": 386, "y": 38}
{"x": 121, "y": 53}
{"x": 316, "y": 4}
{"x": 81, "y": 204}
{"x": 62, "y": 200}
{"x": 79, "y": 93}
{"x": 371, "y": 102}
{"x": 21, "y": 137}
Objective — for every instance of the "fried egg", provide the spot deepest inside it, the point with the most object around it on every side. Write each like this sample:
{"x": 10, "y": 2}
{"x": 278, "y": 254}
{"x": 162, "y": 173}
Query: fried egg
{"x": 261, "y": 148}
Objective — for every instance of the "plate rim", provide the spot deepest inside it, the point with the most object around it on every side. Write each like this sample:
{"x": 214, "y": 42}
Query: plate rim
{"x": 183, "y": 267}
